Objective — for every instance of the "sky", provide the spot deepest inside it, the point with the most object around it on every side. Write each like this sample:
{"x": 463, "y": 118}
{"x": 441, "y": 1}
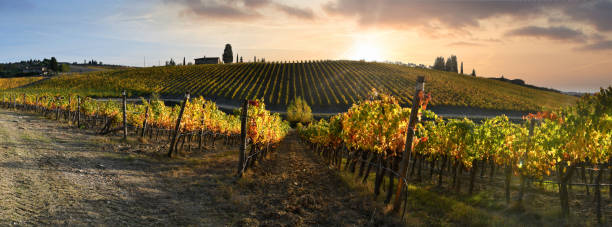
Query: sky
{"x": 566, "y": 45}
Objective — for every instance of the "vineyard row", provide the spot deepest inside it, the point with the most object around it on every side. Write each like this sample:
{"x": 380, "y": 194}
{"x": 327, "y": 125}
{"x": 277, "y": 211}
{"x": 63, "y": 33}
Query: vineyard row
{"x": 192, "y": 123}
{"x": 379, "y": 135}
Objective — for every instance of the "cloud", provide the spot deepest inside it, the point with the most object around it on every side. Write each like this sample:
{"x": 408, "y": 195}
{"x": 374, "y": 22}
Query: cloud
{"x": 216, "y": 9}
{"x": 296, "y": 12}
{"x": 417, "y": 13}
{"x": 463, "y": 43}
{"x": 597, "y": 13}
{"x": 460, "y": 14}
{"x": 598, "y": 46}
{"x": 237, "y": 9}
{"x": 256, "y": 3}
{"x": 554, "y": 33}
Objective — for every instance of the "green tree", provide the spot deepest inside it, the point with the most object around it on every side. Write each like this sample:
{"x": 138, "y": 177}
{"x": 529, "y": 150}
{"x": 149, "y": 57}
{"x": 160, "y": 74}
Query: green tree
{"x": 451, "y": 64}
{"x": 439, "y": 63}
{"x": 461, "y": 68}
{"x": 171, "y": 62}
{"x": 473, "y": 72}
{"x": 228, "y": 55}
{"x": 64, "y": 68}
{"x": 298, "y": 111}
{"x": 53, "y": 64}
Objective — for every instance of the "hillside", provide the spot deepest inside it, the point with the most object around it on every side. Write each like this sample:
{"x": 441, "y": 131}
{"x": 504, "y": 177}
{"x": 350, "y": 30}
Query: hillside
{"x": 8, "y": 83}
{"x": 326, "y": 85}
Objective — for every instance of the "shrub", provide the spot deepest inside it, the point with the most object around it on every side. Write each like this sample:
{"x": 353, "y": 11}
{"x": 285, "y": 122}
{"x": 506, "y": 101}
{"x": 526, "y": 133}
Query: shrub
{"x": 299, "y": 112}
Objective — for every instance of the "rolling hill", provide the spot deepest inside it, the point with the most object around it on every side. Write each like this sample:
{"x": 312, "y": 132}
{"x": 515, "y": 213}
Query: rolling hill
{"x": 326, "y": 85}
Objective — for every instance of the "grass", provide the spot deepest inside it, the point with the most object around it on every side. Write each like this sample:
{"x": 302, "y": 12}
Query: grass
{"x": 428, "y": 208}
{"x": 327, "y": 85}
{"x": 429, "y": 205}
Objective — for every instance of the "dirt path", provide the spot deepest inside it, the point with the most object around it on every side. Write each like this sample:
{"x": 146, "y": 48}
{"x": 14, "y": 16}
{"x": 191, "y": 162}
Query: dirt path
{"x": 298, "y": 189}
{"x": 54, "y": 174}
{"x": 51, "y": 174}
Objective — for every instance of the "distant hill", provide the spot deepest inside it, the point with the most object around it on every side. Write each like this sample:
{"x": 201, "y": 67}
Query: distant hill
{"x": 328, "y": 86}
{"x": 522, "y": 83}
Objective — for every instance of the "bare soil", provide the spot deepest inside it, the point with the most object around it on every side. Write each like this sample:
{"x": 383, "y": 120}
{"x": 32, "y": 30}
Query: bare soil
{"x": 54, "y": 174}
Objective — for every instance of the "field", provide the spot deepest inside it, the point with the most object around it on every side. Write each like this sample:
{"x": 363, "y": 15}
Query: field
{"x": 56, "y": 174}
{"x": 328, "y": 86}
{"x": 451, "y": 174}
{"x": 8, "y": 83}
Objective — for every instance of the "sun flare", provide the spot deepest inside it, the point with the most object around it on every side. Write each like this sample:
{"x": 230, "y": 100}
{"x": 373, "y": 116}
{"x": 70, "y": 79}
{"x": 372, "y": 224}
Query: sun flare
{"x": 366, "y": 48}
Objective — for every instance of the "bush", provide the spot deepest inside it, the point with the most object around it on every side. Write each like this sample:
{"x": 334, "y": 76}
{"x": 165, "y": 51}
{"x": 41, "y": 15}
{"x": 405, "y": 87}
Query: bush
{"x": 299, "y": 112}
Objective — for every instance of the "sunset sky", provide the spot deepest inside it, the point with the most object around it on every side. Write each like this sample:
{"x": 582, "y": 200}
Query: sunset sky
{"x": 565, "y": 45}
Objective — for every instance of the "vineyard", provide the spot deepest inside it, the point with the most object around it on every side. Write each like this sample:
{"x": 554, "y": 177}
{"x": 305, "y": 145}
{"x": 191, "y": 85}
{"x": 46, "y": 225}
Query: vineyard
{"x": 328, "y": 86}
{"x": 191, "y": 124}
{"x": 379, "y": 139}
{"x": 8, "y": 83}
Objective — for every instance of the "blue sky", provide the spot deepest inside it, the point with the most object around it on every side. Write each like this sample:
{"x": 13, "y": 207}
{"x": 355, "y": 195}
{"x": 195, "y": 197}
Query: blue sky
{"x": 558, "y": 44}
{"x": 71, "y": 31}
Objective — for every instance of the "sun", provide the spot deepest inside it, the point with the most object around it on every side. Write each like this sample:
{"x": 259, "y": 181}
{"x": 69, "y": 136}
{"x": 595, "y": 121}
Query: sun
{"x": 366, "y": 48}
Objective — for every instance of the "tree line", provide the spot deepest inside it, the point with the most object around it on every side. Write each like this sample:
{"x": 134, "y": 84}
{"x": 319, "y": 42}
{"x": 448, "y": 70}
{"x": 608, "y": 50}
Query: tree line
{"x": 449, "y": 65}
{"x": 32, "y": 67}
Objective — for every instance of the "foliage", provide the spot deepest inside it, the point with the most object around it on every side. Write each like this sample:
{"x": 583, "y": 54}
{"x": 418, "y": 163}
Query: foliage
{"x": 299, "y": 111}
{"x": 439, "y": 64}
{"x": 228, "y": 55}
{"x": 53, "y": 66}
{"x": 264, "y": 128}
{"x": 8, "y": 83}
{"x": 64, "y": 68}
{"x": 577, "y": 134}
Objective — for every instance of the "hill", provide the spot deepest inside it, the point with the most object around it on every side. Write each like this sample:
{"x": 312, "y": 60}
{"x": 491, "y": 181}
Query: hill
{"x": 522, "y": 83}
{"x": 327, "y": 86}
{"x": 15, "y": 82}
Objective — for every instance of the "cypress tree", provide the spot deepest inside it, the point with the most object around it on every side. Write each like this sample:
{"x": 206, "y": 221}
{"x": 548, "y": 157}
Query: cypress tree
{"x": 461, "y": 68}
{"x": 53, "y": 64}
{"x": 228, "y": 56}
{"x": 451, "y": 64}
{"x": 448, "y": 66}
{"x": 439, "y": 64}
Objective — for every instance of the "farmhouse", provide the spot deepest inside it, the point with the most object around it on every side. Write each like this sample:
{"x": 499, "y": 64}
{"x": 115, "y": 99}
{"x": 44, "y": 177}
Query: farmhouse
{"x": 205, "y": 60}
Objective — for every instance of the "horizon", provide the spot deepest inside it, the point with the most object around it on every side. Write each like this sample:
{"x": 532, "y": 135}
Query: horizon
{"x": 557, "y": 44}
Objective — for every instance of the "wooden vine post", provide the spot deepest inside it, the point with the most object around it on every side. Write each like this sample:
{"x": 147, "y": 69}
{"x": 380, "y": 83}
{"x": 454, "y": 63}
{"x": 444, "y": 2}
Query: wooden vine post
{"x": 36, "y": 104}
{"x": 523, "y": 181}
{"x": 598, "y": 193}
{"x": 201, "y": 135}
{"x": 124, "y": 107}
{"x": 420, "y": 87}
{"x": 243, "y": 136}
{"x": 69, "y": 108}
{"x": 144, "y": 122}
{"x": 178, "y": 125}
{"x": 57, "y": 107}
{"x": 78, "y": 112}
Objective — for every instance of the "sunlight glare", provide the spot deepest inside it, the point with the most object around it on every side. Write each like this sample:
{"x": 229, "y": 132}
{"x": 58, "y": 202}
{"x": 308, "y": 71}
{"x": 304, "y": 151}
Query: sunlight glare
{"x": 366, "y": 48}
